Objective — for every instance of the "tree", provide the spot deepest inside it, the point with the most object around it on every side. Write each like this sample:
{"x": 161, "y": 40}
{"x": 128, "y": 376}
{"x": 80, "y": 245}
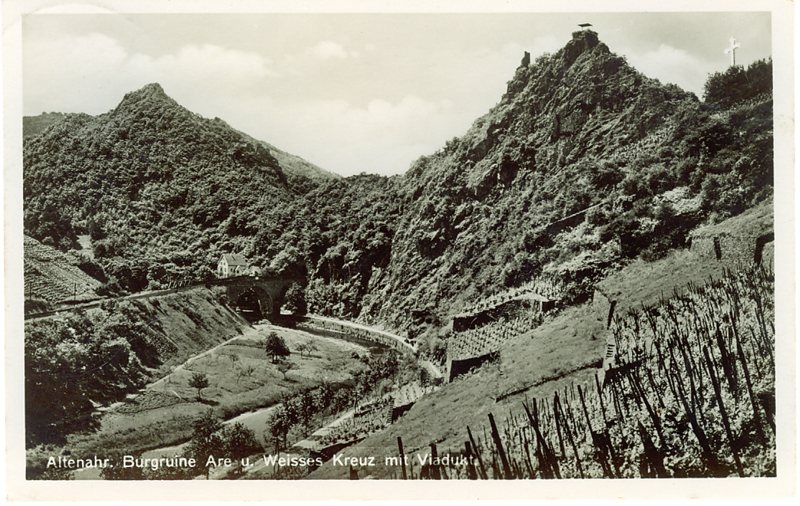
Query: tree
{"x": 199, "y": 381}
{"x": 205, "y": 440}
{"x": 307, "y": 347}
{"x": 737, "y": 83}
{"x": 289, "y": 262}
{"x": 240, "y": 442}
{"x": 276, "y": 347}
{"x": 296, "y": 299}
{"x": 284, "y": 367}
{"x": 278, "y": 425}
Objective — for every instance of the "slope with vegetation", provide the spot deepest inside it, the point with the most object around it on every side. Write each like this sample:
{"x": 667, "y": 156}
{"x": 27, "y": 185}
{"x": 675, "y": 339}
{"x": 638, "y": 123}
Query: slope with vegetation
{"x": 86, "y": 359}
{"x": 52, "y": 275}
{"x": 565, "y": 351}
{"x": 586, "y": 172}
{"x": 584, "y": 165}
{"x": 160, "y": 190}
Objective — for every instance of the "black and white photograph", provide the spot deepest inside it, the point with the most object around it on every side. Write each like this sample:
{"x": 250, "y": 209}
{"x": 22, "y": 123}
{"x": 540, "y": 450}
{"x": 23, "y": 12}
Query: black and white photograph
{"x": 372, "y": 245}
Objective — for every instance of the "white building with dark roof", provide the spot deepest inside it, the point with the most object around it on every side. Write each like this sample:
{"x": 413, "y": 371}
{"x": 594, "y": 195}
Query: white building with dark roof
{"x": 232, "y": 264}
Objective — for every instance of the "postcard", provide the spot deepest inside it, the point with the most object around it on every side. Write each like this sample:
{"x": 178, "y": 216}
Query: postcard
{"x": 493, "y": 250}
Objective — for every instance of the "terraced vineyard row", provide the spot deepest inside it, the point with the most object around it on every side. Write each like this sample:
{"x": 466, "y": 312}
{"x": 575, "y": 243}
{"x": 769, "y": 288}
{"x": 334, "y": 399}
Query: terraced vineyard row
{"x": 490, "y": 337}
{"x": 54, "y": 276}
{"x": 690, "y": 392}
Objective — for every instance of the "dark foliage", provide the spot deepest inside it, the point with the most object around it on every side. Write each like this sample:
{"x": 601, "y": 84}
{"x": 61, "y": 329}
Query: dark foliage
{"x": 276, "y": 347}
{"x": 70, "y": 363}
{"x": 737, "y": 84}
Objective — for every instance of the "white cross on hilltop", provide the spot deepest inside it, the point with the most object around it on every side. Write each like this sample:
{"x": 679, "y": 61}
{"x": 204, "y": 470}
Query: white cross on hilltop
{"x": 731, "y": 50}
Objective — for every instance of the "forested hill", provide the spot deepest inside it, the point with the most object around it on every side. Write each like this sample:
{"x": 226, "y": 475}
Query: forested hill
{"x": 584, "y": 164}
{"x": 155, "y": 185}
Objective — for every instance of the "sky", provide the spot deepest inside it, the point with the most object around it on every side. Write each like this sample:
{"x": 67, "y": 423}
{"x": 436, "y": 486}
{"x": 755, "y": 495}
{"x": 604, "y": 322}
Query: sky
{"x": 355, "y": 92}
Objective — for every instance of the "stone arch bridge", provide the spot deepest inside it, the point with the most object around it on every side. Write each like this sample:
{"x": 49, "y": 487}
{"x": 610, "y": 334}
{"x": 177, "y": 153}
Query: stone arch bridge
{"x": 268, "y": 292}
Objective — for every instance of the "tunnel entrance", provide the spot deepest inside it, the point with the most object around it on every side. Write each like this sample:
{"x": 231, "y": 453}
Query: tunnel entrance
{"x": 249, "y": 305}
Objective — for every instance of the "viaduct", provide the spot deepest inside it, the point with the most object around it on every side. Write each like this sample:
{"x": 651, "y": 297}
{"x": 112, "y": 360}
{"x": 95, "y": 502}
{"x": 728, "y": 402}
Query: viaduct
{"x": 267, "y": 293}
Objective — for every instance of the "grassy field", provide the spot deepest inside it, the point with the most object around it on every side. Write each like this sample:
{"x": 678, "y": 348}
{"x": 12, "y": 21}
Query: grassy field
{"x": 241, "y": 378}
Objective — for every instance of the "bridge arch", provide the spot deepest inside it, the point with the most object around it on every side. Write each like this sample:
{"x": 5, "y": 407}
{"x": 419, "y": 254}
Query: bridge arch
{"x": 266, "y": 293}
{"x": 254, "y": 299}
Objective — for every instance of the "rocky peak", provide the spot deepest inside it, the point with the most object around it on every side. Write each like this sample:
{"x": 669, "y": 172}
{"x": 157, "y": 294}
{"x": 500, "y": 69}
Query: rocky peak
{"x": 582, "y": 41}
{"x": 150, "y": 93}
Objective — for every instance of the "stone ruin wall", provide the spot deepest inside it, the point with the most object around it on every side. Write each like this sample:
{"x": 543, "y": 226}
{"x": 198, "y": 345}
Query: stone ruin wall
{"x": 734, "y": 249}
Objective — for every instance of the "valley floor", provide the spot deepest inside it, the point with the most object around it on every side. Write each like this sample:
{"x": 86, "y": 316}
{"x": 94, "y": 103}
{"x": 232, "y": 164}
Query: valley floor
{"x": 242, "y": 383}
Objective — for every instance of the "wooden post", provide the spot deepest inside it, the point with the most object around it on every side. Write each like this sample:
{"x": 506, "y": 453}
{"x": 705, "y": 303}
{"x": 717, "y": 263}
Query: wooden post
{"x": 725, "y": 359}
{"x": 528, "y": 464}
{"x": 651, "y": 452}
{"x": 560, "y": 413}
{"x": 477, "y": 452}
{"x": 435, "y": 471}
{"x": 600, "y": 448}
{"x": 402, "y": 456}
{"x": 656, "y": 422}
{"x": 500, "y": 450}
{"x": 725, "y": 421}
{"x": 600, "y": 397}
{"x": 548, "y": 462}
{"x": 556, "y": 401}
{"x": 753, "y": 403}
{"x": 654, "y": 388}
{"x": 471, "y": 472}
{"x": 708, "y": 454}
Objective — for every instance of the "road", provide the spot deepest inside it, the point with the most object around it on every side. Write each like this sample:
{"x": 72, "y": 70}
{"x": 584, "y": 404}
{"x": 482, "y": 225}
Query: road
{"x": 402, "y": 341}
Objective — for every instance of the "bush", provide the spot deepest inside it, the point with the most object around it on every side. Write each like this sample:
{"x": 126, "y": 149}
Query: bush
{"x": 596, "y": 217}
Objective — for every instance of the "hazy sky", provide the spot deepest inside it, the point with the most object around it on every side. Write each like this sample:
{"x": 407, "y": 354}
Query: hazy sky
{"x": 350, "y": 92}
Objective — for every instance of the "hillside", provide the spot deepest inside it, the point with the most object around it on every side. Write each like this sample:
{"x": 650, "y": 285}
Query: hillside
{"x": 34, "y": 125}
{"x": 593, "y": 216}
{"x": 583, "y": 165}
{"x": 153, "y": 184}
{"x": 103, "y": 354}
{"x": 293, "y": 164}
{"x": 289, "y": 163}
{"x": 564, "y": 351}
{"x": 339, "y": 237}
{"x": 55, "y": 276}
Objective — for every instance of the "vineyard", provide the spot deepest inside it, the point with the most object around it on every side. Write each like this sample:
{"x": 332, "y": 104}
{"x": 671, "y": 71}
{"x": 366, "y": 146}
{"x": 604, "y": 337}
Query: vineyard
{"x": 688, "y": 392}
{"x": 366, "y": 420}
{"x": 54, "y": 276}
{"x": 376, "y": 414}
{"x": 545, "y": 287}
{"x": 490, "y": 337}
